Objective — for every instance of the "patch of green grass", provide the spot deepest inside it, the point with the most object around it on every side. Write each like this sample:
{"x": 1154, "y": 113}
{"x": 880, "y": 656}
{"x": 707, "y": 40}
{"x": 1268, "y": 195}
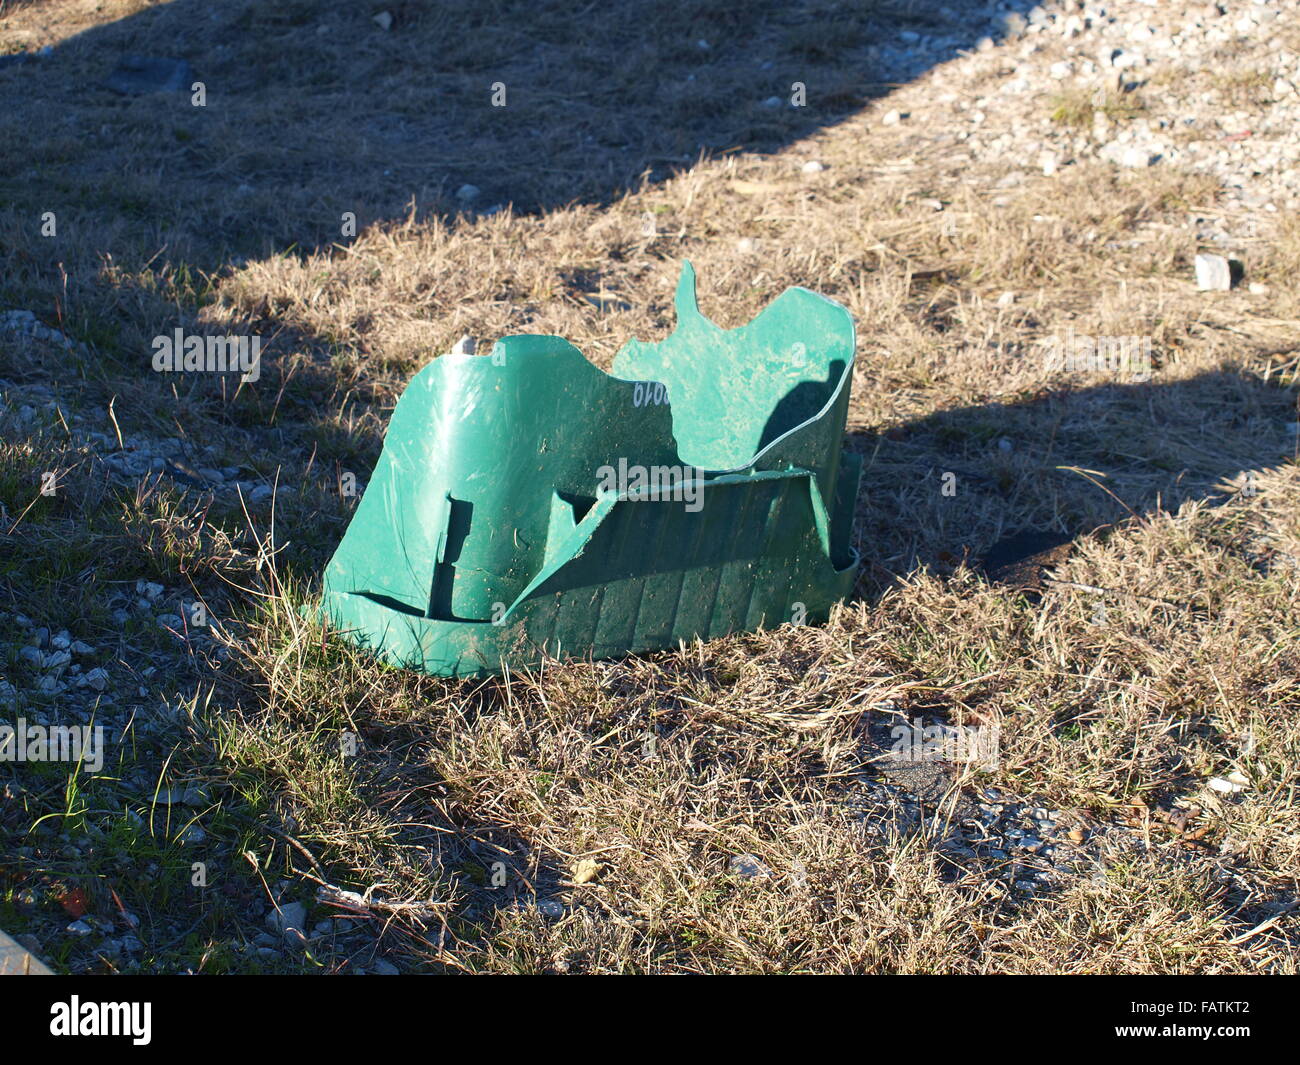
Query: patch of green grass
{"x": 1078, "y": 108}
{"x": 1246, "y": 87}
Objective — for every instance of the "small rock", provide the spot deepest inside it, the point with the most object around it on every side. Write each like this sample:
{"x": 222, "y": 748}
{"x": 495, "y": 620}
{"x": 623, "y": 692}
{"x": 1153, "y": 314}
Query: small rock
{"x": 749, "y": 866}
{"x": 466, "y": 345}
{"x": 1213, "y": 273}
{"x": 384, "y": 20}
{"x": 286, "y": 916}
{"x": 80, "y": 928}
{"x": 585, "y": 871}
{"x": 97, "y": 678}
{"x": 189, "y": 796}
{"x": 606, "y": 301}
{"x": 893, "y": 118}
{"x": 467, "y": 193}
{"x": 137, "y": 75}
{"x": 813, "y": 167}
{"x": 382, "y": 967}
{"x": 1137, "y": 158}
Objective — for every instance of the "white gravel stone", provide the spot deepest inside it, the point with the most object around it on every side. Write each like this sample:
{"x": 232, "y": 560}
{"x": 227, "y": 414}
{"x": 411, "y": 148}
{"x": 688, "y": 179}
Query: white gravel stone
{"x": 748, "y": 866}
{"x": 97, "y": 678}
{"x": 288, "y": 915}
{"x": 1213, "y": 273}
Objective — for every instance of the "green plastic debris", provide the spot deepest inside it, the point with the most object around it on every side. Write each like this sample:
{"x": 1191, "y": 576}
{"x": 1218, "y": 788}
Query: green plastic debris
{"x": 528, "y": 504}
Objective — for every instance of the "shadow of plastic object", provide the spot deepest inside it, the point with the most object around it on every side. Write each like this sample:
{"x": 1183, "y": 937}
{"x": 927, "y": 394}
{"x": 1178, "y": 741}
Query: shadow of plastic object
{"x": 527, "y": 504}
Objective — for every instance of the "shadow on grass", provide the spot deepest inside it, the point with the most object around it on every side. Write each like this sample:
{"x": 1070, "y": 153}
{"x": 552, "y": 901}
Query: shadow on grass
{"x": 1062, "y": 463}
{"x": 313, "y": 110}
{"x": 315, "y": 116}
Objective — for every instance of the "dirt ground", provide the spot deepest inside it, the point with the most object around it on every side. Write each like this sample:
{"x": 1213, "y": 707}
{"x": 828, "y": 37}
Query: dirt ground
{"x": 271, "y": 799}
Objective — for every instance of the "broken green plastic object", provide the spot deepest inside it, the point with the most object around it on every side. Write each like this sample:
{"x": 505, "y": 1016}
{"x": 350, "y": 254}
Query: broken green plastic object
{"x": 528, "y": 504}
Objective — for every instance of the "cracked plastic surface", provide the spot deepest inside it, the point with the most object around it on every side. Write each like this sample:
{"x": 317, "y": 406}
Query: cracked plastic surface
{"x": 490, "y": 533}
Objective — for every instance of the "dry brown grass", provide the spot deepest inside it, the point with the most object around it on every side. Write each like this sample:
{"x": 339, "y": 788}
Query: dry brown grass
{"x": 1164, "y": 655}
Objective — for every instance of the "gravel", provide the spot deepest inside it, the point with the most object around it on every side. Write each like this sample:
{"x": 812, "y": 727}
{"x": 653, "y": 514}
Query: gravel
{"x": 1180, "y": 59}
